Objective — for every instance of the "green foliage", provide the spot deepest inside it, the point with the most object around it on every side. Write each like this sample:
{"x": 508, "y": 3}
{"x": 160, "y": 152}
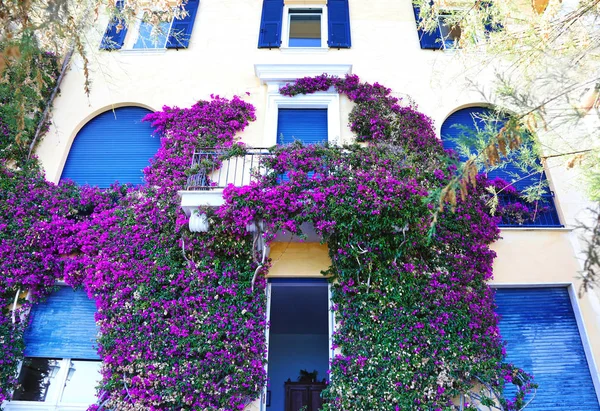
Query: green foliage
{"x": 26, "y": 84}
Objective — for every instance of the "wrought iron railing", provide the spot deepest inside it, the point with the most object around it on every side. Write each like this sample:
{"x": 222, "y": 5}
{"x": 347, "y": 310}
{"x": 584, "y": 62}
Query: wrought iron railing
{"x": 213, "y": 170}
{"x": 545, "y": 212}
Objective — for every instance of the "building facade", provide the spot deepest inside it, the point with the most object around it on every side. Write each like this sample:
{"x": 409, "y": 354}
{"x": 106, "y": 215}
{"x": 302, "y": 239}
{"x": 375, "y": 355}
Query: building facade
{"x": 251, "y": 48}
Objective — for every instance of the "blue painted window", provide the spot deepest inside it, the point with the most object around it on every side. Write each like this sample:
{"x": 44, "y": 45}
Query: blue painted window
{"x": 446, "y": 35}
{"x": 173, "y": 34}
{"x": 305, "y": 26}
{"x": 63, "y": 326}
{"x": 306, "y": 125}
{"x": 113, "y": 146}
{"x": 456, "y": 127}
{"x": 542, "y": 338}
{"x": 61, "y": 364}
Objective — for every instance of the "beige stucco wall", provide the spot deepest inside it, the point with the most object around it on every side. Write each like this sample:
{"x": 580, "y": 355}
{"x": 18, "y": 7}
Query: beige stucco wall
{"x": 298, "y": 259}
{"x": 385, "y": 48}
{"x": 221, "y": 58}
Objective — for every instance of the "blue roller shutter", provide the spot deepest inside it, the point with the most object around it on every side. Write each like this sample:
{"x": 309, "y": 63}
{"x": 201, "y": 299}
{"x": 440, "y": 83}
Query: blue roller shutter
{"x": 338, "y": 15}
{"x": 428, "y": 40}
{"x": 113, "y": 146}
{"x": 306, "y": 125}
{"x": 452, "y": 129}
{"x": 114, "y": 38}
{"x": 542, "y": 338}
{"x": 181, "y": 30}
{"x": 63, "y": 326}
{"x": 270, "y": 24}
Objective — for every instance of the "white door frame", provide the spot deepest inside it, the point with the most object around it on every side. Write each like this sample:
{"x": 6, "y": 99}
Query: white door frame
{"x": 263, "y": 396}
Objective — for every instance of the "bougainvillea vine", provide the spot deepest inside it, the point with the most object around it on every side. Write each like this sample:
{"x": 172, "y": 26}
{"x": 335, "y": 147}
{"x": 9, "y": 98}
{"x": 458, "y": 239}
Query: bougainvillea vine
{"x": 182, "y": 316}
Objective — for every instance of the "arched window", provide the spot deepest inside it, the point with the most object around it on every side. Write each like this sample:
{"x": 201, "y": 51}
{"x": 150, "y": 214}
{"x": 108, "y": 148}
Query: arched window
{"x": 113, "y": 146}
{"x": 541, "y": 213}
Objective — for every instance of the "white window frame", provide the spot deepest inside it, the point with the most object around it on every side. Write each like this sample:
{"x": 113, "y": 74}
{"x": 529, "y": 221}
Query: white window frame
{"x": 329, "y": 100}
{"x": 288, "y": 10}
{"x": 332, "y": 327}
{"x": 277, "y": 75}
{"x": 53, "y": 403}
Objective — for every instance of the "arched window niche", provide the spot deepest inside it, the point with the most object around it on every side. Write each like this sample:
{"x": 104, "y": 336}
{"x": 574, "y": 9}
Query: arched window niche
{"x": 480, "y": 119}
{"x": 116, "y": 145}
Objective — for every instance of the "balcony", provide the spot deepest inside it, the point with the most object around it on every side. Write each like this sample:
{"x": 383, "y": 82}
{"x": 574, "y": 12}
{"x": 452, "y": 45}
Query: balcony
{"x": 214, "y": 172}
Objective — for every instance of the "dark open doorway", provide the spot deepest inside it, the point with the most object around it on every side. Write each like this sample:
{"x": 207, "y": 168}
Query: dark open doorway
{"x": 298, "y": 343}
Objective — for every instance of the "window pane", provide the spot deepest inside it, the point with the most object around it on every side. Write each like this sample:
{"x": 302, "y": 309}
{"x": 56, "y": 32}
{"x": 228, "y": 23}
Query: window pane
{"x": 147, "y": 39}
{"x": 37, "y": 380}
{"x": 450, "y": 31}
{"x": 82, "y": 378}
{"x": 305, "y": 30}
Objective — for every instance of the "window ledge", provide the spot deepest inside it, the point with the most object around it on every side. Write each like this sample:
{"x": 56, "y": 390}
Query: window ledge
{"x": 274, "y": 73}
{"x": 563, "y": 229}
{"x": 143, "y": 52}
{"x": 303, "y": 50}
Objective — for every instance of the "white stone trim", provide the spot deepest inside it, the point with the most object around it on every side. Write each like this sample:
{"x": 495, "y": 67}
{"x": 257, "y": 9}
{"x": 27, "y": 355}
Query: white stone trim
{"x": 269, "y": 73}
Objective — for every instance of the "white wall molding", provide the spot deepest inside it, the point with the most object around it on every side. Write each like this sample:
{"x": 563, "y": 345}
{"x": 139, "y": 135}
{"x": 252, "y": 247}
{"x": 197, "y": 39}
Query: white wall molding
{"x": 281, "y": 73}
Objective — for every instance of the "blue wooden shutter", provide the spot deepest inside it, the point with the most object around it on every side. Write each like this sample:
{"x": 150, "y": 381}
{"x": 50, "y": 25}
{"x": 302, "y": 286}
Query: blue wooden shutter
{"x": 113, "y": 38}
{"x": 542, "y": 338}
{"x": 428, "y": 40}
{"x": 338, "y": 15}
{"x": 306, "y": 125}
{"x": 270, "y": 24}
{"x": 181, "y": 30}
{"x": 63, "y": 326}
{"x": 113, "y": 146}
{"x": 454, "y": 126}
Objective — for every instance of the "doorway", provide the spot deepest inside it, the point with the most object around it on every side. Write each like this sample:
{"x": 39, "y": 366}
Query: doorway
{"x": 299, "y": 343}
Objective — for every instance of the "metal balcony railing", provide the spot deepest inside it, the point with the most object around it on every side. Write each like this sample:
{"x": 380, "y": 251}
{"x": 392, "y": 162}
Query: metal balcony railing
{"x": 546, "y": 217}
{"x": 214, "y": 172}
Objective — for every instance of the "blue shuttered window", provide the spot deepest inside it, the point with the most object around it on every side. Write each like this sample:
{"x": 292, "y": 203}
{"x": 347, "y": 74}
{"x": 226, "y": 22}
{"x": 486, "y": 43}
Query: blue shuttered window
{"x": 306, "y": 125}
{"x": 338, "y": 24}
{"x": 178, "y": 37}
{"x": 114, "y": 36}
{"x": 270, "y": 24}
{"x": 428, "y": 40}
{"x": 437, "y": 40}
{"x": 542, "y": 338}
{"x": 471, "y": 118}
{"x": 62, "y": 327}
{"x": 181, "y": 30}
{"x": 113, "y": 146}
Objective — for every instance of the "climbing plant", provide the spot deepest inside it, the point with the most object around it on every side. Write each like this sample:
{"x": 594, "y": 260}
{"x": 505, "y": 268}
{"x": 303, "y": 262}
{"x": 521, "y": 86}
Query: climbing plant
{"x": 182, "y": 315}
